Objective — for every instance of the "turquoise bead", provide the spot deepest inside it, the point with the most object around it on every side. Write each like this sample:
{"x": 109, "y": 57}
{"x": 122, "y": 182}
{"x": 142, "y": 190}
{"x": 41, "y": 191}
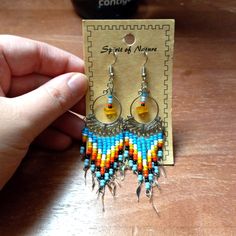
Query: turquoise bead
{"x": 98, "y": 174}
{"x": 120, "y": 158}
{"x": 140, "y": 178}
{"x": 115, "y": 165}
{"x": 82, "y": 150}
{"x": 147, "y": 185}
{"x": 111, "y": 171}
{"x": 134, "y": 168}
{"x": 160, "y": 153}
{"x": 106, "y": 177}
{"x": 160, "y": 135}
{"x": 130, "y": 163}
{"x": 102, "y": 183}
{"x": 86, "y": 162}
{"x": 92, "y": 167}
{"x": 156, "y": 169}
{"x": 150, "y": 177}
{"x": 126, "y": 154}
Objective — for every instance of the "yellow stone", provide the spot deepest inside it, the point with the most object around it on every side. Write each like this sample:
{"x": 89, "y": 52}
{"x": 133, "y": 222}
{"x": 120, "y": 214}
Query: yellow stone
{"x": 142, "y": 110}
{"x": 110, "y": 111}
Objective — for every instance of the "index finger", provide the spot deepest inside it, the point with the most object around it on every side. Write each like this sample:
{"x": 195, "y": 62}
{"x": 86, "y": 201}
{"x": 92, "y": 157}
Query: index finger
{"x": 24, "y": 56}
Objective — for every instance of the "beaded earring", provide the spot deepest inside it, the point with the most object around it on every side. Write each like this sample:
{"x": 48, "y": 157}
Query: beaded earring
{"x": 102, "y": 140}
{"x": 144, "y": 137}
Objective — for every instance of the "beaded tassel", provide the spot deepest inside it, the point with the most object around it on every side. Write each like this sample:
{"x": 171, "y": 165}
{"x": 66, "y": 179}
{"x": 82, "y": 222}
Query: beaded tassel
{"x": 103, "y": 155}
{"x": 144, "y": 155}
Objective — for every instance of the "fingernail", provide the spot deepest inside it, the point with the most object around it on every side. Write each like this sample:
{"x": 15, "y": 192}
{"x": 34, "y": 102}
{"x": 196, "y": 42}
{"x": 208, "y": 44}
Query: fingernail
{"x": 78, "y": 83}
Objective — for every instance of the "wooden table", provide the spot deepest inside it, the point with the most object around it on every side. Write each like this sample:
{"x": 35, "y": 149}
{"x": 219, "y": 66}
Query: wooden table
{"x": 47, "y": 196}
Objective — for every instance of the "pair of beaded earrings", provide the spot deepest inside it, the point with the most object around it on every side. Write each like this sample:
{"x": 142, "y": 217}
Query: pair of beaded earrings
{"x": 135, "y": 142}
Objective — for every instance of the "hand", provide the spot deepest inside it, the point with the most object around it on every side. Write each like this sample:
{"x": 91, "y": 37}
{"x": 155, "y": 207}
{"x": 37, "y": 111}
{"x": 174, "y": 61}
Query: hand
{"x": 38, "y": 84}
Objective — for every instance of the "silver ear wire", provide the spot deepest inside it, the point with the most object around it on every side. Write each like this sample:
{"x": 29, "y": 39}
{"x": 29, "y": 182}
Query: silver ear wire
{"x": 144, "y": 83}
{"x": 143, "y": 69}
{"x": 115, "y": 56}
{"x": 110, "y": 70}
{"x": 111, "y": 74}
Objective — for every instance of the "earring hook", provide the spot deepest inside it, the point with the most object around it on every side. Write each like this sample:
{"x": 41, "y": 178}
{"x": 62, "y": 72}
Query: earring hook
{"x": 146, "y": 58}
{"x": 115, "y": 56}
{"x": 143, "y": 70}
{"x": 111, "y": 71}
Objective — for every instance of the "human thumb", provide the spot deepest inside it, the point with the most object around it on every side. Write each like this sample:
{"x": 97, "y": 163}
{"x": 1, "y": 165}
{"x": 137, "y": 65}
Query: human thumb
{"x": 39, "y": 108}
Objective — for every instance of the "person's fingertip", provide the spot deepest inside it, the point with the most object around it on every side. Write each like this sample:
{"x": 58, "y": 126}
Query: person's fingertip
{"x": 78, "y": 83}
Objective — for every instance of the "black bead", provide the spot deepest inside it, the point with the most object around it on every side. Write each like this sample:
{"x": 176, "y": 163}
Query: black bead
{"x": 120, "y": 152}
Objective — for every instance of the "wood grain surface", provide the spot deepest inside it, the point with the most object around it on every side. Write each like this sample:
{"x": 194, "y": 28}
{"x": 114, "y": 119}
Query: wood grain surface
{"x": 47, "y": 195}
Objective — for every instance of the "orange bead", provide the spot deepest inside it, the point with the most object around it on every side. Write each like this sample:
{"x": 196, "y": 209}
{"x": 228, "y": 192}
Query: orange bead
{"x": 135, "y": 157}
{"x": 140, "y": 167}
{"x": 160, "y": 144}
{"x": 149, "y": 165}
{"x": 94, "y": 156}
{"x": 102, "y": 170}
{"x": 89, "y": 150}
